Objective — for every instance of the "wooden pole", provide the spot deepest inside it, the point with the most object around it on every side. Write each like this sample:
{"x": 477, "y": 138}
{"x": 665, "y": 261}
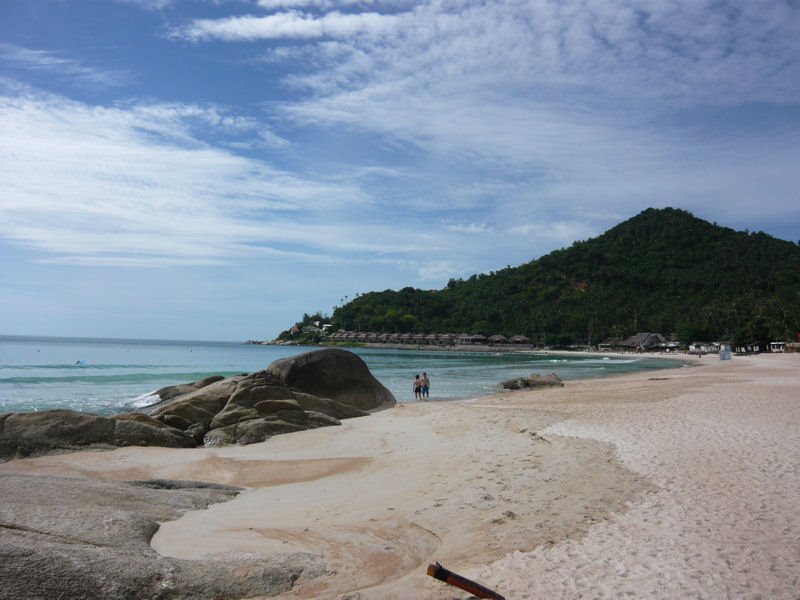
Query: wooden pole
{"x": 437, "y": 571}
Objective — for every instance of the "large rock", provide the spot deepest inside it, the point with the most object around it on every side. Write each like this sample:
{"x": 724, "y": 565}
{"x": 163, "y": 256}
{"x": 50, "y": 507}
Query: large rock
{"x": 249, "y": 392}
{"x": 196, "y": 406}
{"x": 333, "y": 373}
{"x": 78, "y": 538}
{"x": 26, "y": 434}
{"x": 315, "y": 389}
{"x": 533, "y": 381}
{"x": 172, "y": 391}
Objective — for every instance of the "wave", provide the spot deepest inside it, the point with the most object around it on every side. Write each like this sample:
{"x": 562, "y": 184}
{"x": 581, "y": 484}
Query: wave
{"x": 175, "y": 378}
{"x": 147, "y": 399}
{"x": 82, "y": 365}
{"x": 608, "y": 361}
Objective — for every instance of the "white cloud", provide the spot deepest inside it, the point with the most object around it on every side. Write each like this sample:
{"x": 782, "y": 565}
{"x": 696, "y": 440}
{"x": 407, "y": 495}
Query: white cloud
{"x": 54, "y": 64}
{"x": 557, "y": 234}
{"x": 288, "y": 25}
{"x": 471, "y": 228}
{"x": 319, "y": 4}
{"x": 132, "y": 185}
{"x": 148, "y": 4}
{"x": 514, "y": 113}
{"x": 439, "y": 270}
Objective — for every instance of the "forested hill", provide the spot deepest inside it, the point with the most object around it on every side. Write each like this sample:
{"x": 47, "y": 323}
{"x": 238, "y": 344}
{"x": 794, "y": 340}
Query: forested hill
{"x": 663, "y": 270}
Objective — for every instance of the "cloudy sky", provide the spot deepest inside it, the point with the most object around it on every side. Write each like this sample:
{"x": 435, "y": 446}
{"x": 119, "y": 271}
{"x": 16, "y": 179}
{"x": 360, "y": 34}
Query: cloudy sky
{"x": 212, "y": 169}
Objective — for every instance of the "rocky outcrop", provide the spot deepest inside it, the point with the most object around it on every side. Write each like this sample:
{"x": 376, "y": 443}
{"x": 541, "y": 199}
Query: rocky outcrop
{"x": 78, "y": 538}
{"x": 26, "y": 434}
{"x": 533, "y": 381}
{"x": 171, "y": 391}
{"x": 333, "y": 373}
{"x": 193, "y": 412}
{"x": 315, "y": 389}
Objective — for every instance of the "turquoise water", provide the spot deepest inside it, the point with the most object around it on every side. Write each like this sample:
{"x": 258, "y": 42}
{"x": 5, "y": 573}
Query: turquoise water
{"x": 109, "y": 376}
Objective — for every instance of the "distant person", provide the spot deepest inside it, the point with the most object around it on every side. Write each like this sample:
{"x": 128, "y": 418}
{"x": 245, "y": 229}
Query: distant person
{"x": 426, "y": 385}
{"x": 417, "y": 387}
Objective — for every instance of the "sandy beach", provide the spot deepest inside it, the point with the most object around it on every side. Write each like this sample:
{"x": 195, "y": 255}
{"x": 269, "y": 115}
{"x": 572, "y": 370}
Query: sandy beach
{"x": 670, "y": 484}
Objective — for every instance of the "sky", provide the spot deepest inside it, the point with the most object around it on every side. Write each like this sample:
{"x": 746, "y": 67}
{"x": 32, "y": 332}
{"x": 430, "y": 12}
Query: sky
{"x": 214, "y": 169}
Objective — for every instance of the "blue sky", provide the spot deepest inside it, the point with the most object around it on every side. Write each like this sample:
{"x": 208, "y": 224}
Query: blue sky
{"x": 212, "y": 169}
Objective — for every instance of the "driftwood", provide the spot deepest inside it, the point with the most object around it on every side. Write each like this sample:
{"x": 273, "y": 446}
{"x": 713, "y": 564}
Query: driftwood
{"x": 437, "y": 571}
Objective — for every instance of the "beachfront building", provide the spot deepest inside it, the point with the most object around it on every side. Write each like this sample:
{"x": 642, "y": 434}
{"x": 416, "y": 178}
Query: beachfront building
{"x": 704, "y": 348}
{"x": 643, "y": 342}
{"x": 430, "y": 339}
{"x": 750, "y": 348}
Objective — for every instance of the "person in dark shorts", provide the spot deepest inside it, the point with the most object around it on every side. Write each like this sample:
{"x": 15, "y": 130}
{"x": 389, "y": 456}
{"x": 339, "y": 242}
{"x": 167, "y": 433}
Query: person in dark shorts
{"x": 426, "y": 385}
{"x": 417, "y": 387}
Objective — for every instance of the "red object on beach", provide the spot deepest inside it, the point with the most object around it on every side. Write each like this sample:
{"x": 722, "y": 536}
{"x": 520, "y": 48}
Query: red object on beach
{"x": 437, "y": 571}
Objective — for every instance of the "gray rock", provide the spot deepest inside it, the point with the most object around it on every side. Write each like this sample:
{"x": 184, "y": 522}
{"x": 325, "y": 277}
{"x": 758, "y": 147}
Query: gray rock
{"x": 533, "y": 381}
{"x": 196, "y": 409}
{"x": 280, "y": 399}
{"x": 78, "y": 538}
{"x": 172, "y": 391}
{"x": 258, "y": 430}
{"x": 333, "y": 373}
{"x": 314, "y": 389}
{"x": 249, "y": 392}
{"x": 30, "y": 434}
{"x": 135, "y": 429}
{"x": 514, "y": 384}
{"x": 327, "y": 406}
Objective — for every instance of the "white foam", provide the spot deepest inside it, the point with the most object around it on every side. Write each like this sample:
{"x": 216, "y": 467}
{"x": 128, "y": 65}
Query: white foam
{"x": 147, "y": 399}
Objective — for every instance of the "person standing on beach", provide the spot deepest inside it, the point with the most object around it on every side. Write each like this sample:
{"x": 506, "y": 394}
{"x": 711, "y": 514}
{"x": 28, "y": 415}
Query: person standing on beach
{"x": 417, "y": 387}
{"x": 426, "y": 385}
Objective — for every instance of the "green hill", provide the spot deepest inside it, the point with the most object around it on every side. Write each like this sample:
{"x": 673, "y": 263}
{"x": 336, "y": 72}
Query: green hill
{"x": 663, "y": 270}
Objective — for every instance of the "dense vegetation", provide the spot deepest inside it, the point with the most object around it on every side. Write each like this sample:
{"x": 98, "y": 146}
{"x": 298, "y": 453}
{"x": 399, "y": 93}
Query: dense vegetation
{"x": 663, "y": 270}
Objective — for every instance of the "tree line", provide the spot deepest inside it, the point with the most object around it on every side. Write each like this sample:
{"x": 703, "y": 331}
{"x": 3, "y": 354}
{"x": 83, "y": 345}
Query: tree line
{"x": 663, "y": 270}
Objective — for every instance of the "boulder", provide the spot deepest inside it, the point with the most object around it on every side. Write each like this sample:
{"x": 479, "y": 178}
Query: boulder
{"x": 136, "y": 429}
{"x": 79, "y": 538}
{"x": 250, "y": 391}
{"x": 533, "y": 381}
{"x": 171, "y": 391}
{"x": 252, "y": 431}
{"x": 315, "y": 389}
{"x": 31, "y": 434}
{"x": 327, "y": 406}
{"x": 197, "y": 406}
{"x": 333, "y": 373}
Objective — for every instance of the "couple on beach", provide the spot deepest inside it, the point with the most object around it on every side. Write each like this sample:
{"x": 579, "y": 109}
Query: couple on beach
{"x": 422, "y": 386}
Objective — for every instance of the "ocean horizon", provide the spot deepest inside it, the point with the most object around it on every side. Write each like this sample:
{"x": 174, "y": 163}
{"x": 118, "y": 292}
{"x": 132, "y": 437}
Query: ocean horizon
{"x": 111, "y": 375}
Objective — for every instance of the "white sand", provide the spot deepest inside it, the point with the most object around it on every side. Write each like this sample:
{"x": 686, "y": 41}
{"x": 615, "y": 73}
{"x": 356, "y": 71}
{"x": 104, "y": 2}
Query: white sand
{"x": 725, "y": 521}
{"x": 673, "y": 484}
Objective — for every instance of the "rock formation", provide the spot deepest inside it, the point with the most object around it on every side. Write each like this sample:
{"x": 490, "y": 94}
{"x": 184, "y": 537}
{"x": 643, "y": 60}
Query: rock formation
{"x": 26, "y": 434}
{"x": 533, "y": 381}
{"x": 79, "y": 538}
{"x": 310, "y": 390}
{"x": 332, "y": 373}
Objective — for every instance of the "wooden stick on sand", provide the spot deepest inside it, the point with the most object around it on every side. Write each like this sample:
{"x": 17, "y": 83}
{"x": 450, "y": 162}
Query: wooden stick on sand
{"x": 437, "y": 571}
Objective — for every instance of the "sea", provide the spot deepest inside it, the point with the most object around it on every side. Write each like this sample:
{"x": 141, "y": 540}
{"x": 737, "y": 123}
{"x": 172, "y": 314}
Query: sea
{"x": 108, "y": 376}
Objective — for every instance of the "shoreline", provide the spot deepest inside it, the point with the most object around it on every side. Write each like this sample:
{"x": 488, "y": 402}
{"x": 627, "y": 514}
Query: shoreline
{"x": 683, "y": 483}
{"x": 478, "y": 348}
